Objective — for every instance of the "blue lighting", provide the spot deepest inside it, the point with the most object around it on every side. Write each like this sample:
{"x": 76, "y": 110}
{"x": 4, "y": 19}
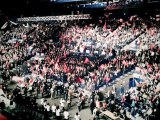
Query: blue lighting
{"x": 65, "y": 1}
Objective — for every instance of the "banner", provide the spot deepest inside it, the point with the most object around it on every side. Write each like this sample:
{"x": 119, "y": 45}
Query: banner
{"x": 115, "y": 1}
{"x": 4, "y": 25}
{"x": 18, "y": 79}
{"x": 136, "y": 75}
{"x": 134, "y": 82}
{"x": 54, "y": 18}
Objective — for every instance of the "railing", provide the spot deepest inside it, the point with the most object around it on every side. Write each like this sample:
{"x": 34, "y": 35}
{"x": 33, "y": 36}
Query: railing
{"x": 33, "y": 114}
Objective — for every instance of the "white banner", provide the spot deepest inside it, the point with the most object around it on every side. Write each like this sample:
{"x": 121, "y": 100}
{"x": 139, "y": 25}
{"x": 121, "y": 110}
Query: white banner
{"x": 115, "y": 1}
{"x": 18, "y": 79}
{"x": 136, "y": 75}
{"x": 52, "y": 18}
{"x": 4, "y": 25}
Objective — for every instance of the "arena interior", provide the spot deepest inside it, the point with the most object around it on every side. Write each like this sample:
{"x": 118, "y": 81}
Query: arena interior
{"x": 80, "y": 60}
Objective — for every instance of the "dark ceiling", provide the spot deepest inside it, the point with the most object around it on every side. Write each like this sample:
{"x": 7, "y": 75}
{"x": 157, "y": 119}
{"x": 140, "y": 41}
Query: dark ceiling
{"x": 18, "y": 8}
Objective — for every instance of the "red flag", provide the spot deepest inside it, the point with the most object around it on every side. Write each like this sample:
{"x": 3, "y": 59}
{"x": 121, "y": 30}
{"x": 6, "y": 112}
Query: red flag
{"x": 100, "y": 21}
{"x": 107, "y": 79}
{"x": 25, "y": 84}
{"x": 104, "y": 27}
{"x": 86, "y": 60}
{"x": 58, "y": 60}
{"x": 52, "y": 62}
{"x": 123, "y": 98}
{"x": 102, "y": 67}
{"x": 63, "y": 46}
{"x": 31, "y": 81}
{"x": 68, "y": 70}
{"x": 45, "y": 46}
{"x": 65, "y": 67}
{"x": 56, "y": 66}
{"x": 51, "y": 71}
{"x": 65, "y": 54}
{"x": 124, "y": 62}
{"x": 79, "y": 80}
{"x": 45, "y": 69}
{"x": 32, "y": 68}
{"x": 17, "y": 44}
{"x": 48, "y": 59}
{"x": 20, "y": 81}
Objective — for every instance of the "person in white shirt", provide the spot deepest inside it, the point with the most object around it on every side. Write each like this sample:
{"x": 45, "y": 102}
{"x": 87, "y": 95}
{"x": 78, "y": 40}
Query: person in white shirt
{"x": 66, "y": 115}
{"x": 42, "y": 101}
{"x": 48, "y": 107}
{"x": 77, "y": 116}
{"x": 54, "y": 109}
{"x": 103, "y": 52}
{"x": 94, "y": 112}
{"x": 62, "y": 101}
{"x": 58, "y": 113}
{"x": 45, "y": 103}
{"x": 52, "y": 92}
{"x": 97, "y": 104}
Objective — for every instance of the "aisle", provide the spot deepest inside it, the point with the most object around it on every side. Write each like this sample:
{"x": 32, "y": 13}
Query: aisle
{"x": 84, "y": 113}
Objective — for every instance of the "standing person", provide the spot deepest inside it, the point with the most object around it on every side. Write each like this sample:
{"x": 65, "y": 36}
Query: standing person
{"x": 69, "y": 103}
{"x": 42, "y": 90}
{"x": 66, "y": 115}
{"x": 94, "y": 113}
{"x": 42, "y": 101}
{"x": 121, "y": 89}
{"x": 65, "y": 93}
{"x": 77, "y": 116}
{"x": 91, "y": 106}
{"x": 25, "y": 91}
{"x": 62, "y": 101}
{"x": 97, "y": 114}
{"x": 2, "y": 105}
{"x": 58, "y": 113}
{"x": 79, "y": 105}
{"x": 54, "y": 110}
{"x": 52, "y": 91}
{"x": 48, "y": 108}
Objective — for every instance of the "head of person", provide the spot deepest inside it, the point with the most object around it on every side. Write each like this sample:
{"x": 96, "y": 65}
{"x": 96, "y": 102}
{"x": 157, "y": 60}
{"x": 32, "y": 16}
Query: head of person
{"x": 76, "y": 113}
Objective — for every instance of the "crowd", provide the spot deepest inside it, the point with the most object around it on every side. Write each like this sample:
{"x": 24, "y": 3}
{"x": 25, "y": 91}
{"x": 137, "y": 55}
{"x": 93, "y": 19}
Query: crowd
{"x": 63, "y": 59}
{"x": 144, "y": 99}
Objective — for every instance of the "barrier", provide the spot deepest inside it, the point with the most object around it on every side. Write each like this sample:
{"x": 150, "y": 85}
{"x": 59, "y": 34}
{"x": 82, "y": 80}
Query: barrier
{"x": 34, "y": 114}
{"x": 54, "y": 18}
{"x": 133, "y": 82}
